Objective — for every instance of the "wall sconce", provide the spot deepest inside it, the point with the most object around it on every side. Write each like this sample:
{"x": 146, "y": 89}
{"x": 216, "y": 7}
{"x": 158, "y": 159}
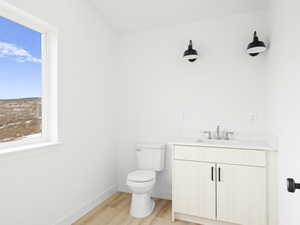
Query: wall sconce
{"x": 256, "y": 46}
{"x": 190, "y": 54}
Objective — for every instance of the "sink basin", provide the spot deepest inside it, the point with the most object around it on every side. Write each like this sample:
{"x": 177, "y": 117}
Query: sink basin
{"x": 231, "y": 143}
{"x": 215, "y": 141}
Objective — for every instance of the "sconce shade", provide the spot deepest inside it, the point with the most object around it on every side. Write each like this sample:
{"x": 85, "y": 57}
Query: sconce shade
{"x": 190, "y": 54}
{"x": 256, "y": 46}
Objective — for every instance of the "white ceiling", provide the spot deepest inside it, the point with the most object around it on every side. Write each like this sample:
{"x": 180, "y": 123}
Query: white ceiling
{"x": 134, "y": 15}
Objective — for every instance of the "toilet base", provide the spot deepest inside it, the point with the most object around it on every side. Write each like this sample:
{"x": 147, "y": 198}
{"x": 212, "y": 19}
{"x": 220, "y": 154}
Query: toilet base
{"x": 141, "y": 205}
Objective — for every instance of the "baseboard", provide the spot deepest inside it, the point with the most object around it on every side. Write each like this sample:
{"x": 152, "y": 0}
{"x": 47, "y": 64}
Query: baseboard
{"x": 68, "y": 220}
{"x": 199, "y": 220}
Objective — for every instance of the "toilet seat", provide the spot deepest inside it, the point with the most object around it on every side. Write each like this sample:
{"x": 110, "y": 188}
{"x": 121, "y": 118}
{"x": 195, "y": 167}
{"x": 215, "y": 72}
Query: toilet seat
{"x": 141, "y": 176}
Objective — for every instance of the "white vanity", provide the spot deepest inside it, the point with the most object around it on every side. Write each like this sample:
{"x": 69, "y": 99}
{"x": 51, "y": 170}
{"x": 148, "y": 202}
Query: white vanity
{"x": 221, "y": 183}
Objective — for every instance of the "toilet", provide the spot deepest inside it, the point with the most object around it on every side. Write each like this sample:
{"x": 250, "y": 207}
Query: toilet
{"x": 150, "y": 159}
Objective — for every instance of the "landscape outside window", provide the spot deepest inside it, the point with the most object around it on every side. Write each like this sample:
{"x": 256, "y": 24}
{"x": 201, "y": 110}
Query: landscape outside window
{"x": 20, "y": 82}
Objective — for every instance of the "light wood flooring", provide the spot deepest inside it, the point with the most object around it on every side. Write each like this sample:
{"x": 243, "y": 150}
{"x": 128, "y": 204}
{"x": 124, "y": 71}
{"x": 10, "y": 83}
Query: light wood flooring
{"x": 115, "y": 211}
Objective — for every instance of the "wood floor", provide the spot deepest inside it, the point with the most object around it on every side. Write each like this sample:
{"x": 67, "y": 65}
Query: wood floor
{"x": 115, "y": 211}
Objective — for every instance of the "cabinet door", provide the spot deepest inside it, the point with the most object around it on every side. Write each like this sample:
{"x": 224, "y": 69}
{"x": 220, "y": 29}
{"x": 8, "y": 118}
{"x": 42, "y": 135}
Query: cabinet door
{"x": 194, "y": 188}
{"x": 241, "y": 194}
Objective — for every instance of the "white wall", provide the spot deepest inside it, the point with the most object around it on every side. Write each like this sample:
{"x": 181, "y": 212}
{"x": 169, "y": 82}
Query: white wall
{"x": 164, "y": 97}
{"x": 284, "y": 67}
{"x": 43, "y": 187}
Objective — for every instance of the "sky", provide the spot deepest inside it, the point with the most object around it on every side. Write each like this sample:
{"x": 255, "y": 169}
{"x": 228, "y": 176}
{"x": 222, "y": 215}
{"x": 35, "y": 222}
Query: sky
{"x": 20, "y": 61}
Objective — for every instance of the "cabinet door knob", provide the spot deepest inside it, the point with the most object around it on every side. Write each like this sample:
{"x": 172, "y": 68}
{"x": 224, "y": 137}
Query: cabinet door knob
{"x": 212, "y": 173}
{"x": 291, "y": 185}
{"x": 219, "y": 174}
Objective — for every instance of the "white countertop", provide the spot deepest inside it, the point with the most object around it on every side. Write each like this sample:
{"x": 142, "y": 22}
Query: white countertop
{"x": 237, "y": 144}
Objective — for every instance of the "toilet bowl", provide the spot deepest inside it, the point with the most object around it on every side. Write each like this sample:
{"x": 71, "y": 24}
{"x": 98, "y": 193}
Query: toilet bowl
{"x": 141, "y": 184}
{"x": 150, "y": 159}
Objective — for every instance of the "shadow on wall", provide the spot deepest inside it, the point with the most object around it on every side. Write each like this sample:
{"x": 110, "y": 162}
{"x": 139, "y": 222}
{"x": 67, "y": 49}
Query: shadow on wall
{"x": 163, "y": 187}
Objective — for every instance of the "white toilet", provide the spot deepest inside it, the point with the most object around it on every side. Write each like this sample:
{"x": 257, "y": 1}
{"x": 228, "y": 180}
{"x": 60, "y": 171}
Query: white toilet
{"x": 150, "y": 158}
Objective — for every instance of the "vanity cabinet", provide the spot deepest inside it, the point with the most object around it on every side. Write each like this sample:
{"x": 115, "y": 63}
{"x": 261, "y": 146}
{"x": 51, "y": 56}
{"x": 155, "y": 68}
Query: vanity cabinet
{"x": 194, "y": 187}
{"x": 241, "y": 195}
{"x": 214, "y": 186}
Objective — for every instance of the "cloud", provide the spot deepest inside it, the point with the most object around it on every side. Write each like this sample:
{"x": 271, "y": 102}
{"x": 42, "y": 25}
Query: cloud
{"x": 21, "y": 55}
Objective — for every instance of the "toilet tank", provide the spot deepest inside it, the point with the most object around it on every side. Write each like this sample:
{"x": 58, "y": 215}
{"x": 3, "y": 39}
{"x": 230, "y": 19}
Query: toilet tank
{"x": 151, "y": 156}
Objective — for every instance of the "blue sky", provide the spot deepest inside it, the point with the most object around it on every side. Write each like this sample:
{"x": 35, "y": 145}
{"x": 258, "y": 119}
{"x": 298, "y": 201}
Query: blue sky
{"x": 20, "y": 61}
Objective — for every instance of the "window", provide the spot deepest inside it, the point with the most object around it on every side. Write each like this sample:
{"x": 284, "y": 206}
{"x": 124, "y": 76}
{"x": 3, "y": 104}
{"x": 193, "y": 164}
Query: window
{"x": 28, "y": 102}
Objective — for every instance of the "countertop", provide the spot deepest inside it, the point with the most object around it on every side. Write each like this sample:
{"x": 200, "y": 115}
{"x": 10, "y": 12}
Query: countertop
{"x": 235, "y": 144}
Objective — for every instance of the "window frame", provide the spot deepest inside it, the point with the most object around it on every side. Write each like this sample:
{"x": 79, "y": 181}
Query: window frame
{"x": 49, "y": 80}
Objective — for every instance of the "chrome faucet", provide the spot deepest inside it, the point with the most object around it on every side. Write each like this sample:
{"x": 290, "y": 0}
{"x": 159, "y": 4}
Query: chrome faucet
{"x": 218, "y": 136}
{"x": 209, "y": 134}
{"x": 228, "y": 134}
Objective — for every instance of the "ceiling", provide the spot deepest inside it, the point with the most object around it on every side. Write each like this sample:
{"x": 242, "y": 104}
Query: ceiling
{"x": 135, "y": 15}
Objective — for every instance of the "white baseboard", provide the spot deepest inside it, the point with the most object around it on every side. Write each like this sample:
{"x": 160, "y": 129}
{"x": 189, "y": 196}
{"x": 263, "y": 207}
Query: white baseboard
{"x": 68, "y": 220}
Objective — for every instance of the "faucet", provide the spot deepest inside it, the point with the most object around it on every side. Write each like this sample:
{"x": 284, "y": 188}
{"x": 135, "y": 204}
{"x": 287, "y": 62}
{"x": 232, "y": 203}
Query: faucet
{"x": 227, "y": 135}
{"x": 218, "y": 136}
{"x": 209, "y": 134}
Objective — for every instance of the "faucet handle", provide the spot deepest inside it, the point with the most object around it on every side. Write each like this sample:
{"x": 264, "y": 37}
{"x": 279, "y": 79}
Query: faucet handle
{"x": 209, "y": 134}
{"x": 227, "y": 134}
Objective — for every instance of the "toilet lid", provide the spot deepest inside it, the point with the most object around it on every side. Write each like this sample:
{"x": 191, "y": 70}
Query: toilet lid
{"x": 141, "y": 175}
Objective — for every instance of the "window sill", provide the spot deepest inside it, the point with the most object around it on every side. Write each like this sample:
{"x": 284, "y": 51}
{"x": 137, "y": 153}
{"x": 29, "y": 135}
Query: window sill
{"x": 27, "y": 145}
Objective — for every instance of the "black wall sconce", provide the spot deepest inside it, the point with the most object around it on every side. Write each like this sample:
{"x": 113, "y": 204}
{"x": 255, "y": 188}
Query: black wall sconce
{"x": 190, "y": 54}
{"x": 256, "y": 46}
